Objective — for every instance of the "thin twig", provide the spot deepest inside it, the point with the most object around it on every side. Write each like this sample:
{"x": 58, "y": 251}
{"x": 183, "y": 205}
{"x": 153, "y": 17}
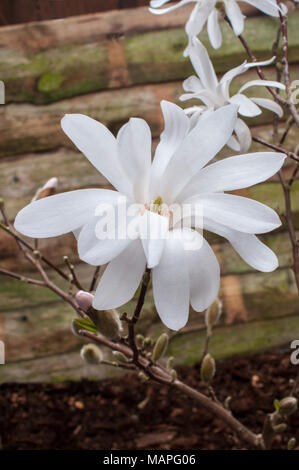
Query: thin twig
{"x": 24, "y": 244}
{"x": 95, "y": 278}
{"x": 19, "y": 277}
{"x": 286, "y": 69}
{"x": 74, "y": 279}
{"x": 292, "y": 155}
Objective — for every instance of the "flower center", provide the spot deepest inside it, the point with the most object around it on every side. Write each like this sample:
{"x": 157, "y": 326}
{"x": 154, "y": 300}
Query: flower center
{"x": 158, "y": 207}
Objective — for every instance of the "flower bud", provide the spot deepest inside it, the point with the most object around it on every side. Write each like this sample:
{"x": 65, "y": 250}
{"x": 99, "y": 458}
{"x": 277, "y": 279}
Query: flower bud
{"x": 147, "y": 341}
{"x": 288, "y": 405}
{"x": 107, "y": 322}
{"x": 173, "y": 374}
{"x": 170, "y": 362}
{"x": 120, "y": 356}
{"x": 160, "y": 347}
{"x": 91, "y": 354}
{"x": 48, "y": 189}
{"x": 139, "y": 340}
{"x": 208, "y": 368}
{"x": 75, "y": 328}
{"x": 280, "y": 427}
{"x": 213, "y": 314}
{"x": 143, "y": 377}
{"x": 84, "y": 300}
{"x": 292, "y": 443}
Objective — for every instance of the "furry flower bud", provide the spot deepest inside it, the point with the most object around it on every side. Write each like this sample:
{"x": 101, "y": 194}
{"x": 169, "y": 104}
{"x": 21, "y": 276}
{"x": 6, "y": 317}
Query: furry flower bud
{"x": 160, "y": 347}
{"x": 208, "y": 368}
{"x": 107, "y": 322}
{"x": 288, "y": 405}
{"x": 91, "y": 354}
{"x": 75, "y": 328}
{"x": 120, "y": 356}
{"x": 292, "y": 443}
{"x": 213, "y": 314}
{"x": 280, "y": 427}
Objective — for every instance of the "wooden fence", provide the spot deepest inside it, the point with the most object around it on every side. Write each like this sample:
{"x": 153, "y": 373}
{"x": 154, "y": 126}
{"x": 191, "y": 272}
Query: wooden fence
{"x": 23, "y": 11}
{"x": 111, "y": 66}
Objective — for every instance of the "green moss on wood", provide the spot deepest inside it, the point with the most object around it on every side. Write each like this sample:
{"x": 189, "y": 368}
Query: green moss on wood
{"x": 237, "y": 339}
{"x": 49, "y": 82}
{"x": 157, "y": 56}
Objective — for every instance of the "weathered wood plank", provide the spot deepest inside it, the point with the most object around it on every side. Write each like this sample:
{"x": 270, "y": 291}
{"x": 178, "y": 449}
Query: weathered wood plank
{"x": 156, "y": 56}
{"x": 27, "y": 128}
{"x": 187, "y": 348}
{"x": 41, "y": 69}
{"x": 21, "y": 177}
{"x": 237, "y": 339}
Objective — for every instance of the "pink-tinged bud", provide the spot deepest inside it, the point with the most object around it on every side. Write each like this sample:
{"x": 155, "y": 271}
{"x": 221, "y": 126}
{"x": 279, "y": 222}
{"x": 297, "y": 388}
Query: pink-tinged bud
{"x": 84, "y": 300}
{"x": 48, "y": 189}
{"x": 52, "y": 183}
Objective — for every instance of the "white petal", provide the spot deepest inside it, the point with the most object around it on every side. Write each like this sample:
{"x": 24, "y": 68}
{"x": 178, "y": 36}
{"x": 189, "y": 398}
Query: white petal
{"x": 246, "y": 106}
{"x": 214, "y": 30}
{"x": 176, "y": 127}
{"x": 243, "y": 134}
{"x": 239, "y": 172}
{"x": 153, "y": 231}
{"x": 62, "y": 213}
{"x": 269, "y": 104}
{"x": 248, "y": 246}
{"x": 157, "y": 3}
{"x": 171, "y": 285}
{"x": 134, "y": 147}
{"x": 192, "y": 84}
{"x": 197, "y": 149}
{"x": 238, "y": 213}
{"x": 204, "y": 274}
{"x": 97, "y": 250}
{"x": 235, "y": 16}
{"x": 203, "y": 65}
{"x": 269, "y": 7}
{"x": 231, "y": 74}
{"x": 198, "y": 18}
{"x": 233, "y": 144}
{"x": 98, "y": 144}
{"x": 121, "y": 278}
{"x": 270, "y": 83}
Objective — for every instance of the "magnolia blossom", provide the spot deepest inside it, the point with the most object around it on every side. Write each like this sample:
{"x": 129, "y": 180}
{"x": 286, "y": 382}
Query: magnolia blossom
{"x": 215, "y": 94}
{"x": 178, "y": 174}
{"x": 205, "y": 11}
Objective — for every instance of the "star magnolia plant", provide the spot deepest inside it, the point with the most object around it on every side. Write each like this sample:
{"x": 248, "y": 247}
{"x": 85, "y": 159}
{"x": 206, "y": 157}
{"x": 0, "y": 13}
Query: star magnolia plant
{"x": 205, "y": 11}
{"x": 178, "y": 174}
{"x": 215, "y": 94}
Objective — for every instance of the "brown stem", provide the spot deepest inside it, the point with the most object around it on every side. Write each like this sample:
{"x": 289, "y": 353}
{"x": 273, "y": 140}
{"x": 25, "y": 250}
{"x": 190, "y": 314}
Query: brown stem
{"x": 67, "y": 298}
{"x": 288, "y": 216}
{"x": 74, "y": 279}
{"x": 19, "y": 277}
{"x": 260, "y": 72}
{"x": 292, "y": 155}
{"x": 286, "y": 69}
{"x": 94, "y": 279}
{"x": 217, "y": 410}
{"x": 23, "y": 244}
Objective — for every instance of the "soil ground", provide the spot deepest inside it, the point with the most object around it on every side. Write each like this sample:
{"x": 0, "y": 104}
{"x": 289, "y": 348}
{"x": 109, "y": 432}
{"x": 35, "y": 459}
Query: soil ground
{"x": 123, "y": 413}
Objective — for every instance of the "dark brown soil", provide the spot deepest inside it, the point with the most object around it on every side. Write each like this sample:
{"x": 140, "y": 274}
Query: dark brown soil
{"x": 123, "y": 413}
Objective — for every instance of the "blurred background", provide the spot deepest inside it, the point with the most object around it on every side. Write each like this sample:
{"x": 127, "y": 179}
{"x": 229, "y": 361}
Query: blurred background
{"x": 112, "y": 60}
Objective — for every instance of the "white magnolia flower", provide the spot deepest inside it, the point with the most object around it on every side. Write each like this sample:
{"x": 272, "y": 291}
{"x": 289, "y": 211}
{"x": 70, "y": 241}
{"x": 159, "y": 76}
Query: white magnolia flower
{"x": 215, "y": 94}
{"x": 205, "y": 11}
{"x": 178, "y": 174}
